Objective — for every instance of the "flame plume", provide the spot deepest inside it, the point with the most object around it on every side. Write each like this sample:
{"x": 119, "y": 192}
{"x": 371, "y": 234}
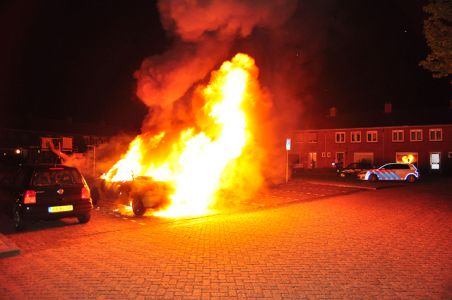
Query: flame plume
{"x": 203, "y": 159}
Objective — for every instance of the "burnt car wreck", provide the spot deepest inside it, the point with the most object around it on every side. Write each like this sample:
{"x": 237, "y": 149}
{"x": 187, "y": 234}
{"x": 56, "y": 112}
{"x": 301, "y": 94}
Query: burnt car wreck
{"x": 141, "y": 193}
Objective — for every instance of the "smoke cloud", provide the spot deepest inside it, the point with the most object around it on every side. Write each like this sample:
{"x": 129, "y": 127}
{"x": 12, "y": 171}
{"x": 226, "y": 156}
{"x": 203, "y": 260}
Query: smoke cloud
{"x": 191, "y": 20}
{"x": 204, "y": 33}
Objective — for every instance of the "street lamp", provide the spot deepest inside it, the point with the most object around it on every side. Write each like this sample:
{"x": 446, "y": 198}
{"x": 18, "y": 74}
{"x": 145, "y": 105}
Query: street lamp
{"x": 288, "y": 146}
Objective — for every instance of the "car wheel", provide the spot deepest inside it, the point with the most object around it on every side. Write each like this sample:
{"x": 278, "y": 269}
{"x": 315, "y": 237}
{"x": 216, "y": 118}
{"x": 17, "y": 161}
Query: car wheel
{"x": 373, "y": 178}
{"x": 19, "y": 223}
{"x": 83, "y": 219}
{"x": 411, "y": 178}
{"x": 137, "y": 206}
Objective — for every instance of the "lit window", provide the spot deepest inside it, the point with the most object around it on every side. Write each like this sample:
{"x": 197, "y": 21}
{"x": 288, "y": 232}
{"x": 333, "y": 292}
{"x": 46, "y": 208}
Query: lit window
{"x": 415, "y": 135}
{"x": 407, "y": 157}
{"x": 372, "y": 136}
{"x": 397, "y": 136}
{"x": 355, "y": 137}
{"x": 340, "y": 137}
{"x": 435, "y": 134}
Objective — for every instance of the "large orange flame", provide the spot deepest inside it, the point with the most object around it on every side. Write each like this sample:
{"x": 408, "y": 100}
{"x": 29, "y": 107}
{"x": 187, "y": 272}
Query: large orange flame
{"x": 201, "y": 161}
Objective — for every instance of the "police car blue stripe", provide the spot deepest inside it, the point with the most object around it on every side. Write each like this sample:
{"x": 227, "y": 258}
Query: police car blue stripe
{"x": 382, "y": 175}
{"x": 394, "y": 176}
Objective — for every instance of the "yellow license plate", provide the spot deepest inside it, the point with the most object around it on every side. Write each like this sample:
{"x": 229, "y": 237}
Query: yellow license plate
{"x": 55, "y": 209}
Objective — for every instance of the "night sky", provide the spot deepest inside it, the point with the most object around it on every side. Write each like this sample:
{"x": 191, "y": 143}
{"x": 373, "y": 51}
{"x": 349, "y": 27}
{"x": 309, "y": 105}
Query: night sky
{"x": 76, "y": 59}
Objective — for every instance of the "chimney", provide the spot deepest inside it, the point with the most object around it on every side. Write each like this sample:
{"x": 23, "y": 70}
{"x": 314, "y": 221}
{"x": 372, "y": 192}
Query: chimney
{"x": 333, "y": 111}
{"x": 388, "y": 107}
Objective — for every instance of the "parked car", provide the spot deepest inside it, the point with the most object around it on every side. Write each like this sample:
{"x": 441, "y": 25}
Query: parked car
{"x": 392, "y": 171}
{"x": 37, "y": 192}
{"x": 143, "y": 192}
{"x": 353, "y": 169}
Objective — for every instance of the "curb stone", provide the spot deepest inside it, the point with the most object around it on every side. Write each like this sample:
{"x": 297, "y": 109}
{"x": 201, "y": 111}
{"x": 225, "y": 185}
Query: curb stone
{"x": 7, "y": 247}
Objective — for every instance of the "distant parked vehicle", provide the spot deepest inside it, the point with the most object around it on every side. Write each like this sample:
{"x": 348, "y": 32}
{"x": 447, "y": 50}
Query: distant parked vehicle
{"x": 353, "y": 169}
{"x": 392, "y": 171}
{"x": 36, "y": 192}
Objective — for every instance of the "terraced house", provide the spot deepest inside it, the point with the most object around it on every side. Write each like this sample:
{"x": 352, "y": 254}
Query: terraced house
{"x": 423, "y": 138}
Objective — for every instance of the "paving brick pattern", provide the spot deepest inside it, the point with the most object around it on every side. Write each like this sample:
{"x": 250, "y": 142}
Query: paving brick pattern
{"x": 294, "y": 191}
{"x": 392, "y": 243}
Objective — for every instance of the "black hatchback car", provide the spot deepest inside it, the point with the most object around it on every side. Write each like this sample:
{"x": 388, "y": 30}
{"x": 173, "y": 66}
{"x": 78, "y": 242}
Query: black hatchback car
{"x": 36, "y": 192}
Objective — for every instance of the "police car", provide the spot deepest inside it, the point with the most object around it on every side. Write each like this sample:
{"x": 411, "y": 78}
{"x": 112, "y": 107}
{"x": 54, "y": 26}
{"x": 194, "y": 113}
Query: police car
{"x": 391, "y": 171}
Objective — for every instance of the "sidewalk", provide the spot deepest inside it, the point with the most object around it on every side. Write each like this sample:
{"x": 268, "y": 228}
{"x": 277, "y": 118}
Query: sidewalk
{"x": 334, "y": 180}
{"x": 7, "y": 247}
{"x": 384, "y": 244}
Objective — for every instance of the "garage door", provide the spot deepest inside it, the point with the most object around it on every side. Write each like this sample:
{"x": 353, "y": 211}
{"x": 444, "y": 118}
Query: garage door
{"x": 366, "y": 156}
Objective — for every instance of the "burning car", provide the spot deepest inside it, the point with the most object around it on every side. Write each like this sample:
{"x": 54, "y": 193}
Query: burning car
{"x": 141, "y": 193}
{"x": 212, "y": 151}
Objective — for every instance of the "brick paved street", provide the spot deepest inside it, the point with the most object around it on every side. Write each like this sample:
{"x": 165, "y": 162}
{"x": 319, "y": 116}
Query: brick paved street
{"x": 388, "y": 243}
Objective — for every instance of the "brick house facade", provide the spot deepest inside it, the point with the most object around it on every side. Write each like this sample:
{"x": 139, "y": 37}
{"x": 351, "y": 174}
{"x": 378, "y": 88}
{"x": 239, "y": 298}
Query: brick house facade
{"x": 427, "y": 146}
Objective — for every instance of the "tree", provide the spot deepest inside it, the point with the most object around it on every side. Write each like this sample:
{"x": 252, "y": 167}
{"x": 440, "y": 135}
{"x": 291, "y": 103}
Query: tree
{"x": 438, "y": 33}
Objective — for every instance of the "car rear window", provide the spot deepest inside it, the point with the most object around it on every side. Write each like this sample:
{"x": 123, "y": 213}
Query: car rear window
{"x": 56, "y": 176}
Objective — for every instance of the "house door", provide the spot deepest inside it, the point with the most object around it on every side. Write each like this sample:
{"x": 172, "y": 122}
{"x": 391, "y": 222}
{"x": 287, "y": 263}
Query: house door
{"x": 312, "y": 159}
{"x": 435, "y": 160}
{"x": 340, "y": 158}
{"x": 363, "y": 157}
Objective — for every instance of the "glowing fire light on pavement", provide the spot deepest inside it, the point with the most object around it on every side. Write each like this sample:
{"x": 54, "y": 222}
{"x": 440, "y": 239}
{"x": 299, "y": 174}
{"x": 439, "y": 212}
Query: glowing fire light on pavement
{"x": 203, "y": 159}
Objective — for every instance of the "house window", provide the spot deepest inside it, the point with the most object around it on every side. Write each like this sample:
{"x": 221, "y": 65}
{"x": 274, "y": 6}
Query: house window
{"x": 407, "y": 157}
{"x": 312, "y": 137}
{"x": 372, "y": 136}
{"x": 435, "y": 134}
{"x": 340, "y": 137}
{"x": 355, "y": 137}
{"x": 397, "y": 136}
{"x": 415, "y": 135}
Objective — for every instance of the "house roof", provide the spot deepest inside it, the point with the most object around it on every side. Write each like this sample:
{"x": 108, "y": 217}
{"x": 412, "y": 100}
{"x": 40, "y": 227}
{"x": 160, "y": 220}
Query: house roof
{"x": 68, "y": 126}
{"x": 377, "y": 119}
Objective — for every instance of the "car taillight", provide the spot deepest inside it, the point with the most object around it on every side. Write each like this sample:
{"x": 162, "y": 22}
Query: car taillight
{"x": 30, "y": 197}
{"x": 85, "y": 193}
